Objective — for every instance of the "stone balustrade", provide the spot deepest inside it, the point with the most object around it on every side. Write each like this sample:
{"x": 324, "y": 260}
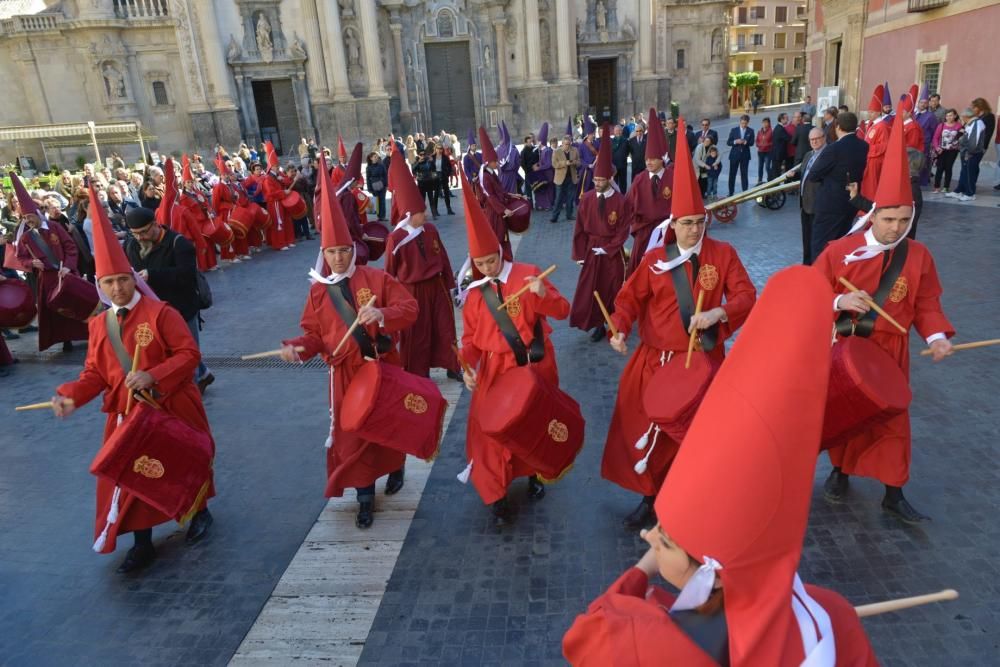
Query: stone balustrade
{"x": 141, "y": 9}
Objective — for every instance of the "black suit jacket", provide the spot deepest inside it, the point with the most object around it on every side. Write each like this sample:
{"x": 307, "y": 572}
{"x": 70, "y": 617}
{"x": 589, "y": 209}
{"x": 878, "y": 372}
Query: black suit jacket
{"x": 619, "y": 152}
{"x": 529, "y": 157}
{"x": 172, "y": 268}
{"x": 712, "y": 134}
{"x": 740, "y": 152}
{"x": 637, "y": 151}
{"x": 840, "y": 163}
{"x": 801, "y": 141}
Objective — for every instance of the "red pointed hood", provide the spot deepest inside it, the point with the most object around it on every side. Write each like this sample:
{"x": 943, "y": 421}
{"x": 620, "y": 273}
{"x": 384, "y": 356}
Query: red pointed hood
{"x": 482, "y": 240}
{"x": 24, "y": 200}
{"x": 602, "y": 167}
{"x": 486, "y": 146}
{"x": 875, "y": 105}
{"x": 166, "y": 206}
{"x": 354, "y": 165}
{"x": 739, "y": 489}
{"x": 186, "y": 174}
{"x": 333, "y": 228}
{"x": 220, "y": 164}
{"x": 656, "y": 140}
{"x": 341, "y": 149}
{"x": 894, "y": 187}
{"x": 272, "y": 156}
{"x": 109, "y": 258}
{"x": 911, "y": 98}
{"x": 406, "y": 196}
{"x": 686, "y": 198}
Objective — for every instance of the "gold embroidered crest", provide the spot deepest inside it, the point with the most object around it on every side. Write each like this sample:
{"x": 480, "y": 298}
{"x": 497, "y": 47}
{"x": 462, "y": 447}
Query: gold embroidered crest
{"x": 514, "y": 307}
{"x": 148, "y": 467}
{"x": 899, "y": 290}
{"x": 558, "y": 431}
{"x": 54, "y": 238}
{"x": 437, "y": 247}
{"x": 613, "y": 218}
{"x": 362, "y": 298}
{"x": 708, "y": 277}
{"x": 415, "y": 403}
{"x": 666, "y": 192}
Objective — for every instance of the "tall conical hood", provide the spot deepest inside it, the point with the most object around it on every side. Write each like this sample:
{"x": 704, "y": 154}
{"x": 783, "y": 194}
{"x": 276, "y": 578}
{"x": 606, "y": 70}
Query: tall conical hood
{"x": 109, "y": 258}
{"x": 333, "y": 228}
{"x": 341, "y": 149}
{"x": 739, "y": 490}
{"x": 472, "y": 139}
{"x": 686, "y": 198}
{"x": 589, "y": 127}
{"x": 656, "y": 140}
{"x": 354, "y": 165}
{"x": 569, "y": 127}
{"x": 925, "y": 94}
{"x": 602, "y": 166}
{"x": 894, "y": 187}
{"x": 489, "y": 153}
{"x": 482, "y": 240}
{"x": 220, "y": 165}
{"x": 406, "y": 196}
{"x": 504, "y": 134}
{"x": 543, "y": 134}
{"x": 186, "y": 174}
{"x": 24, "y": 200}
{"x": 875, "y": 106}
{"x": 163, "y": 211}
{"x": 886, "y": 95}
{"x": 272, "y": 156}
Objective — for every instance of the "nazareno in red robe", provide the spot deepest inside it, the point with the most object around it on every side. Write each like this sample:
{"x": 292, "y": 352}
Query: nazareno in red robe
{"x": 878, "y": 140}
{"x": 882, "y": 451}
{"x": 485, "y": 349}
{"x": 198, "y": 224}
{"x": 349, "y": 206}
{"x": 495, "y": 200}
{"x": 224, "y": 200}
{"x": 52, "y": 327}
{"x": 422, "y": 265}
{"x": 630, "y": 626}
{"x": 650, "y": 300}
{"x": 351, "y": 461}
{"x": 647, "y": 211}
{"x": 171, "y": 358}
{"x": 604, "y": 274}
{"x": 281, "y": 233}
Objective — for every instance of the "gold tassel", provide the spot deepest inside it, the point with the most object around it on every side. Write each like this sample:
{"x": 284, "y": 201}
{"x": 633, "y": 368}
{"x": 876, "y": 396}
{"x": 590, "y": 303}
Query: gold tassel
{"x": 556, "y": 479}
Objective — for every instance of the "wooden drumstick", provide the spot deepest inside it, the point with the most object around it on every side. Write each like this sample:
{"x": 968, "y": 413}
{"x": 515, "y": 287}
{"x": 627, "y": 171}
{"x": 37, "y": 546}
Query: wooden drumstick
{"x": 465, "y": 366}
{"x": 350, "y": 330}
{"x": 607, "y": 316}
{"x": 37, "y": 406}
{"x": 965, "y": 346}
{"x": 269, "y": 353}
{"x": 515, "y": 295}
{"x": 874, "y": 306}
{"x": 905, "y": 603}
{"x": 694, "y": 332}
{"x": 143, "y": 337}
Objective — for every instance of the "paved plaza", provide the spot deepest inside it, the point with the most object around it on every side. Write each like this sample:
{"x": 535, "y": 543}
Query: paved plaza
{"x": 462, "y": 592}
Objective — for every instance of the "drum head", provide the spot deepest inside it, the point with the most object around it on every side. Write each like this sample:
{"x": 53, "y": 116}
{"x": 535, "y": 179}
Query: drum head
{"x": 875, "y": 373}
{"x": 17, "y": 304}
{"x": 673, "y": 390}
{"x": 359, "y": 399}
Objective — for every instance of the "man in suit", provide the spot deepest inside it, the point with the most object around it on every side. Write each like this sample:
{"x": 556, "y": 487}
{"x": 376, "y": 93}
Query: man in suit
{"x": 840, "y": 163}
{"x": 670, "y": 130}
{"x": 779, "y": 145}
{"x": 566, "y": 163}
{"x": 637, "y": 150}
{"x": 801, "y": 138}
{"x": 808, "y": 189}
{"x": 529, "y": 158}
{"x": 619, "y": 157}
{"x": 740, "y": 141}
{"x": 706, "y": 133}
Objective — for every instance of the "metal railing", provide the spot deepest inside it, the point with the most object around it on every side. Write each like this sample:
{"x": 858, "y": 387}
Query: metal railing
{"x": 141, "y": 9}
{"x": 925, "y": 5}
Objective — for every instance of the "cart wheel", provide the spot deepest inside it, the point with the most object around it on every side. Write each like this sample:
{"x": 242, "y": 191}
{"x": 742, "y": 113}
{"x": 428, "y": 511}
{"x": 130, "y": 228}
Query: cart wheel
{"x": 725, "y": 214}
{"x": 775, "y": 201}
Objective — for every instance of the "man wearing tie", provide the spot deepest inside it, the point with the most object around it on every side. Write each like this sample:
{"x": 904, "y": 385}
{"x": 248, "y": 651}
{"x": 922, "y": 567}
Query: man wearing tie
{"x": 637, "y": 150}
{"x": 619, "y": 156}
{"x": 708, "y": 133}
{"x": 740, "y": 140}
{"x": 807, "y": 191}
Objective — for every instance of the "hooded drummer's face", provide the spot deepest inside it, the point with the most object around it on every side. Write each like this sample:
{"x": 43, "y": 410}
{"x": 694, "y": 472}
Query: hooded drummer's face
{"x": 338, "y": 258}
{"x": 119, "y": 287}
{"x": 688, "y": 230}
{"x": 490, "y": 265}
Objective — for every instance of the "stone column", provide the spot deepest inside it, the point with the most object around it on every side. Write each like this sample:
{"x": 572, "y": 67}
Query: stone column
{"x": 397, "y": 47}
{"x": 500, "y": 26}
{"x": 336, "y": 61}
{"x": 302, "y": 105}
{"x": 565, "y": 33}
{"x": 314, "y": 44}
{"x": 215, "y": 53}
{"x": 645, "y": 38}
{"x": 533, "y": 41}
{"x": 373, "y": 60}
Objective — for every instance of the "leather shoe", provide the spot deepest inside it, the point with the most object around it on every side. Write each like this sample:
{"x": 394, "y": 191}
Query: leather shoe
{"x": 137, "y": 558}
{"x": 501, "y": 513}
{"x": 395, "y": 482}
{"x": 904, "y": 511}
{"x": 9, "y": 334}
{"x": 366, "y": 514}
{"x": 204, "y": 382}
{"x": 835, "y": 486}
{"x": 455, "y": 375}
{"x": 642, "y": 516}
{"x": 199, "y": 526}
{"x": 536, "y": 490}
{"x": 598, "y": 334}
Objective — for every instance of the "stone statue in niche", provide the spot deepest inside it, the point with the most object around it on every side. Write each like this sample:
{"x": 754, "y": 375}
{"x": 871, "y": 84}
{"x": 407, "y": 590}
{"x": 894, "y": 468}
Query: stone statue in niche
{"x": 114, "y": 82}
{"x": 264, "y": 42}
{"x": 298, "y": 47}
{"x": 353, "y": 49}
{"x": 628, "y": 32}
{"x": 716, "y": 44}
{"x": 233, "y": 51}
{"x": 601, "y": 16}
{"x": 487, "y": 59}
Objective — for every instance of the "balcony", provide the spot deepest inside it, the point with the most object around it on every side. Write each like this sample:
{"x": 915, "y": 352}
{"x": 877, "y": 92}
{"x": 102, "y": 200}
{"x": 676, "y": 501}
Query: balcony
{"x": 141, "y": 9}
{"x": 31, "y": 23}
{"x": 925, "y": 5}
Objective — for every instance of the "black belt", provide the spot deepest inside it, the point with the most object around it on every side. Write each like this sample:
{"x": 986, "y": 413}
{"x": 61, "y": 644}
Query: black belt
{"x": 682, "y": 287}
{"x": 522, "y": 353}
{"x": 847, "y": 325}
{"x": 340, "y": 297}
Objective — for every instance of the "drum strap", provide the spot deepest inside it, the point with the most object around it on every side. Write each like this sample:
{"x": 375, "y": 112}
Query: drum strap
{"x": 522, "y": 353}
{"x": 682, "y": 287}
{"x": 115, "y": 336}
{"x": 863, "y": 326}
{"x": 46, "y": 250}
{"x": 340, "y": 297}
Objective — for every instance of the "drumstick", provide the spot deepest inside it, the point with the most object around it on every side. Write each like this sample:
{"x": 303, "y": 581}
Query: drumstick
{"x": 874, "y": 306}
{"x": 607, "y": 317}
{"x": 465, "y": 366}
{"x": 143, "y": 337}
{"x": 694, "y": 331}
{"x": 357, "y": 321}
{"x": 269, "y": 353}
{"x": 543, "y": 274}
{"x": 905, "y": 603}
{"x": 966, "y": 346}
{"x": 37, "y": 406}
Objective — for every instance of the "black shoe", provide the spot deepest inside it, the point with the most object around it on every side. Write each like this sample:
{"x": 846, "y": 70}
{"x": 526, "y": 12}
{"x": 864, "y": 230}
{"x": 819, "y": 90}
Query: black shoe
{"x": 310, "y": 237}
{"x": 4, "y": 372}
{"x": 536, "y": 489}
{"x": 451, "y": 212}
{"x": 204, "y": 382}
{"x": 997, "y": 186}
{"x": 28, "y": 329}
{"x": 10, "y": 335}
{"x": 904, "y": 511}
{"x": 455, "y": 375}
{"x": 571, "y": 218}
{"x": 199, "y": 526}
{"x": 394, "y": 484}
{"x": 598, "y": 334}
{"x": 137, "y": 558}
{"x": 835, "y": 486}
{"x": 67, "y": 346}
{"x": 553, "y": 220}
{"x": 366, "y": 514}
{"x": 642, "y": 516}
{"x": 501, "y": 513}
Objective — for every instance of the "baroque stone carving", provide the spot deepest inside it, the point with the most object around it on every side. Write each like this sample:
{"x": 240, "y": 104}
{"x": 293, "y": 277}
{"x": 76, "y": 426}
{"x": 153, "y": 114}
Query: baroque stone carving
{"x": 264, "y": 43}
{"x": 298, "y": 47}
{"x": 233, "y": 51}
{"x": 114, "y": 82}
{"x": 601, "y": 16}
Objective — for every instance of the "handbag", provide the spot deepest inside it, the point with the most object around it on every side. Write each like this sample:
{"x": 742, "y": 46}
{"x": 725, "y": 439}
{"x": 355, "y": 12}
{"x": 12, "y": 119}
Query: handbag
{"x": 377, "y": 185}
{"x": 201, "y": 286}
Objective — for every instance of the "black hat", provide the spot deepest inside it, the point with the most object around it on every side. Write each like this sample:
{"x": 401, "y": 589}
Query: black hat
{"x": 137, "y": 218}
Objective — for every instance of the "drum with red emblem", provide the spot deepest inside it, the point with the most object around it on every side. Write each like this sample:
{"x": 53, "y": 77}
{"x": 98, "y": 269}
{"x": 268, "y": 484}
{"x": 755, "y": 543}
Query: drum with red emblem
{"x": 533, "y": 418}
{"x": 375, "y": 236}
{"x": 866, "y": 386}
{"x": 673, "y": 393}
{"x": 521, "y": 220}
{"x": 218, "y": 232}
{"x": 160, "y": 459}
{"x": 74, "y": 298}
{"x": 295, "y": 206}
{"x": 396, "y": 409}
{"x": 242, "y": 219}
{"x": 17, "y": 304}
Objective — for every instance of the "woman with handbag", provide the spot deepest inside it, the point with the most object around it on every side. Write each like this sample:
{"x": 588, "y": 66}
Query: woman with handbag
{"x": 375, "y": 178}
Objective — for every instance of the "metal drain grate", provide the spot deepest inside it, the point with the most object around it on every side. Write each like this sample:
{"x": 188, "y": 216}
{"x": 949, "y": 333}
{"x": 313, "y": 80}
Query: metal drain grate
{"x": 267, "y": 363}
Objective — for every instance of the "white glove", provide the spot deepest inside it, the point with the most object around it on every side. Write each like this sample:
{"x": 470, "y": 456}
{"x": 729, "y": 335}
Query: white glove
{"x": 600, "y": 251}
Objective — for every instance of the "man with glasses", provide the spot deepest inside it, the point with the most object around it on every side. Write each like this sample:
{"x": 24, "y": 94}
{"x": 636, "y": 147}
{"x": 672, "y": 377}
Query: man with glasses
{"x": 707, "y": 132}
{"x": 166, "y": 261}
{"x": 807, "y": 190}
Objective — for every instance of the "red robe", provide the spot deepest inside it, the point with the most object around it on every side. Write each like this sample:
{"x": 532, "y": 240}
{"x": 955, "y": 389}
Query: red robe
{"x": 495, "y": 200}
{"x": 171, "y": 358}
{"x": 882, "y": 451}
{"x": 630, "y": 626}
{"x": 603, "y": 273}
{"x": 647, "y": 211}
{"x": 199, "y": 225}
{"x": 224, "y": 200}
{"x": 651, "y": 300}
{"x": 485, "y": 349}
{"x": 878, "y": 140}
{"x": 52, "y": 327}
{"x": 349, "y": 205}
{"x": 184, "y": 222}
{"x": 351, "y": 461}
{"x": 913, "y": 135}
{"x": 281, "y": 233}
{"x": 422, "y": 265}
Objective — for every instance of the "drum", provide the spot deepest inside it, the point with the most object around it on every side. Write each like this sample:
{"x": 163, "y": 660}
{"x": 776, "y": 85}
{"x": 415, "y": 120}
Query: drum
{"x": 363, "y": 200}
{"x": 295, "y": 206}
{"x": 519, "y": 222}
{"x": 866, "y": 386}
{"x": 219, "y": 233}
{"x": 538, "y": 422}
{"x": 242, "y": 220}
{"x": 375, "y": 236}
{"x": 396, "y": 409}
{"x": 74, "y": 298}
{"x": 158, "y": 458}
{"x": 17, "y": 304}
{"x": 262, "y": 218}
{"x": 673, "y": 393}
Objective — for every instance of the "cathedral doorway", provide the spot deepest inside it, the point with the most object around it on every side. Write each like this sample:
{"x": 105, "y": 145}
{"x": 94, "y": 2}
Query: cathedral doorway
{"x": 449, "y": 87}
{"x": 277, "y": 116}
{"x": 603, "y": 89}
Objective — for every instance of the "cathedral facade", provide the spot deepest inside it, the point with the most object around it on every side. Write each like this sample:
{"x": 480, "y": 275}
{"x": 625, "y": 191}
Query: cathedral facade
{"x": 198, "y": 72}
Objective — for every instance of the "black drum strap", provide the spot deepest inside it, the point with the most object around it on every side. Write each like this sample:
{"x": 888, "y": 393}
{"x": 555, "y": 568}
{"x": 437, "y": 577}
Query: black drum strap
{"x": 340, "y": 297}
{"x": 683, "y": 290}
{"x": 522, "y": 353}
{"x": 45, "y": 248}
{"x": 863, "y": 326}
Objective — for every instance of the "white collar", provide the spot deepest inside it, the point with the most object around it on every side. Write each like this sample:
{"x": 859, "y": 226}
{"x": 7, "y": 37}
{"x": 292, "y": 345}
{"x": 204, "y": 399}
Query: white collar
{"x": 872, "y": 247}
{"x": 23, "y": 227}
{"x": 606, "y": 194}
{"x": 346, "y": 184}
{"x": 661, "y": 267}
{"x": 130, "y": 305}
{"x": 658, "y": 173}
{"x": 411, "y": 232}
{"x": 333, "y": 278}
{"x": 502, "y": 277}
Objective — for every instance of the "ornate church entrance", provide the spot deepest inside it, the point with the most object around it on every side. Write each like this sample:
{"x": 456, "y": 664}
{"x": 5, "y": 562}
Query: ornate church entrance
{"x": 276, "y": 114}
{"x": 601, "y": 83}
{"x": 449, "y": 88}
